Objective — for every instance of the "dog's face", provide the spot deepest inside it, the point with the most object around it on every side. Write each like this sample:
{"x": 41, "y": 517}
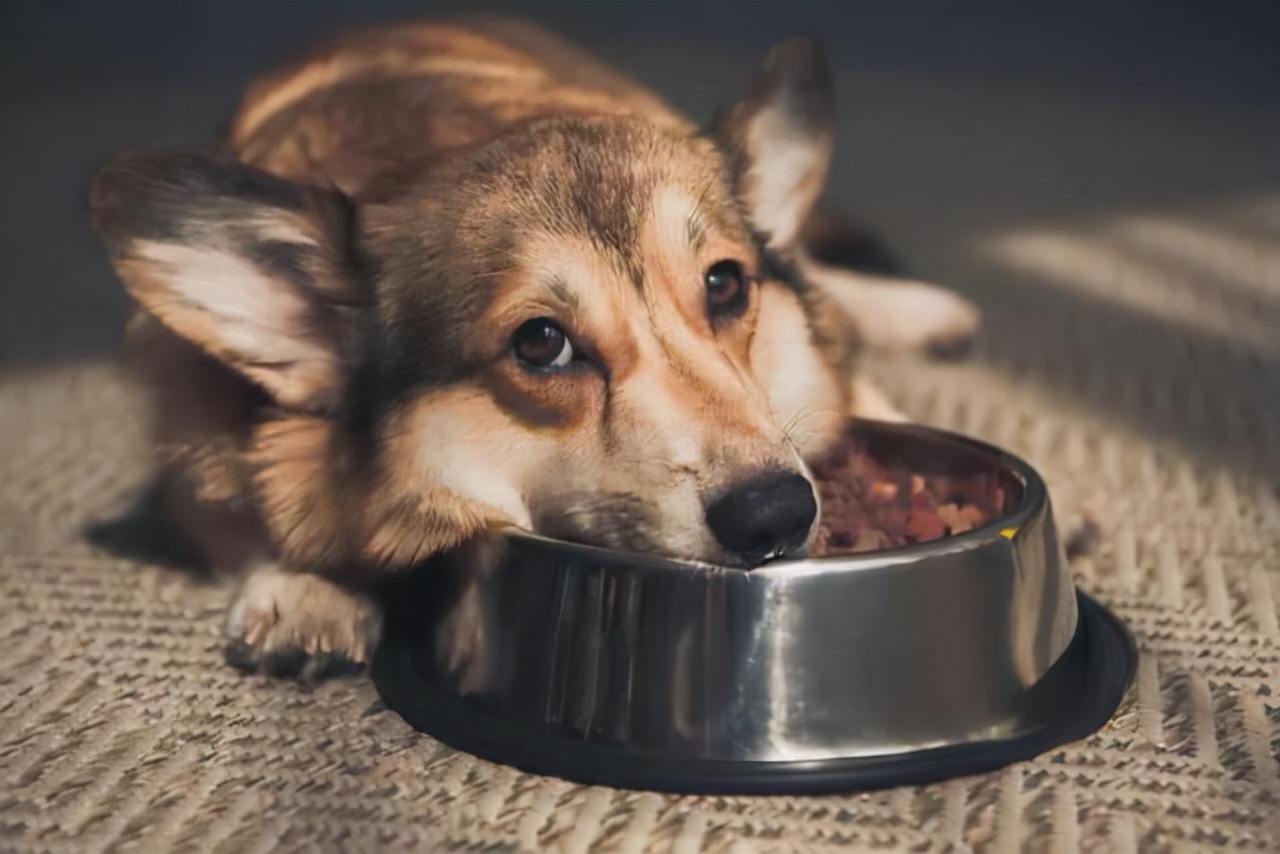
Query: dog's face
{"x": 585, "y": 343}
{"x": 575, "y": 328}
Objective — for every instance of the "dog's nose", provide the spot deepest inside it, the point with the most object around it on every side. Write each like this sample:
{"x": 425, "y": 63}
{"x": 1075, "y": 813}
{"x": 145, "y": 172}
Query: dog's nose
{"x": 763, "y": 516}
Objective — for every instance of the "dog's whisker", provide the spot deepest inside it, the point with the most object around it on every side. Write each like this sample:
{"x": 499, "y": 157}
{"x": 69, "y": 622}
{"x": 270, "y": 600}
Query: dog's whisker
{"x": 803, "y": 413}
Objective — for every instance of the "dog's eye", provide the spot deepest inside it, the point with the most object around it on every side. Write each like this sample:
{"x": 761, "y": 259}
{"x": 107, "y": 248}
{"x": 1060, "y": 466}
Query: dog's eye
{"x": 726, "y": 283}
{"x": 541, "y": 343}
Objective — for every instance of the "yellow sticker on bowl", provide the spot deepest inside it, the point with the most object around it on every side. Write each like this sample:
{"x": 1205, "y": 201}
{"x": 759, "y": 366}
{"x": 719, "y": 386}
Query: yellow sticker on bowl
{"x": 1009, "y": 533}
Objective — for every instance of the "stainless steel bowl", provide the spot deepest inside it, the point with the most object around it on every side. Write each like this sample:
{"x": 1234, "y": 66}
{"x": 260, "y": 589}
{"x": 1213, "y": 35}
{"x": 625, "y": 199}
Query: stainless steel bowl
{"x": 805, "y": 675}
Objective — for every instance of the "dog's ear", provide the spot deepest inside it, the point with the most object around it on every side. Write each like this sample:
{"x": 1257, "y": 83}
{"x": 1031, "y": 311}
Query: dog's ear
{"x": 255, "y": 270}
{"x": 778, "y": 140}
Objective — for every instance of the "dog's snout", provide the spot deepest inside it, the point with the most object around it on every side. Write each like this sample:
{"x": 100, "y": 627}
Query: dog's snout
{"x": 763, "y": 516}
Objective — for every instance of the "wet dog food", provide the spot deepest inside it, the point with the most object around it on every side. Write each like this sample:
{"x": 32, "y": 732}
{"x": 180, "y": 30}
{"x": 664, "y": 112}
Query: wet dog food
{"x": 868, "y": 504}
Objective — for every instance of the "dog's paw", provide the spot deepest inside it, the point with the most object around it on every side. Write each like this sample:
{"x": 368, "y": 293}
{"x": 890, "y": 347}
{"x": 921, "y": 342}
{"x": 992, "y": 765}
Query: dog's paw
{"x": 298, "y": 625}
{"x": 918, "y": 316}
{"x": 899, "y": 314}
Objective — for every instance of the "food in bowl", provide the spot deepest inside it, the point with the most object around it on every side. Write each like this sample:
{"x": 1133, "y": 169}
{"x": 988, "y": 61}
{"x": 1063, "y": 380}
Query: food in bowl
{"x": 871, "y": 503}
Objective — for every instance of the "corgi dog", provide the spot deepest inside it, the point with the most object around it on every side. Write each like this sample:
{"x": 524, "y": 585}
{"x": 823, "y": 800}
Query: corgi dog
{"x": 446, "y": 279}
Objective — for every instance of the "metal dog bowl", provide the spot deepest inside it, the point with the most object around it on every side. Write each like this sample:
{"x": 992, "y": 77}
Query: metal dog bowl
{"x": 886, "y": 668}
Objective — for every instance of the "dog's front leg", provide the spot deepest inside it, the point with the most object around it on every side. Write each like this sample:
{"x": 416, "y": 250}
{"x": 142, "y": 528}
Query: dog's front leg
{"x": 293, "y": 623}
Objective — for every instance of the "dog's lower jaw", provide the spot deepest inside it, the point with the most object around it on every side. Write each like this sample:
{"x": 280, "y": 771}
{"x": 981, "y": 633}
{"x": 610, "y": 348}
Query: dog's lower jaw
{"x": 285, "y": 623}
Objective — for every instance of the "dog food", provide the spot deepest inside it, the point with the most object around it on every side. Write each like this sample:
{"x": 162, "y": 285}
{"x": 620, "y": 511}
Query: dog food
{"x": 868, "y": 504}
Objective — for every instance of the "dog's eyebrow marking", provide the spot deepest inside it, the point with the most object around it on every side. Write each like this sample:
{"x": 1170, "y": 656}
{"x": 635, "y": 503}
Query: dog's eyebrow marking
{"x": 696, "y": 228}
{"x": 678, "y": 223}
{"x": 560, "y": 290}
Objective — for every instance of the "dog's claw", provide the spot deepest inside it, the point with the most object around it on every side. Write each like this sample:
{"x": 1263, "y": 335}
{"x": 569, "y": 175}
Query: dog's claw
{"x": 300, "y": 626}
{"x": 291, "y": 663}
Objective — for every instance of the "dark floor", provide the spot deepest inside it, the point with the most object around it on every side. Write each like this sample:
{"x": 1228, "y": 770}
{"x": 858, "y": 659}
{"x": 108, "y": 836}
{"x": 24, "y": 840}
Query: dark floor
{"x": 1049, "y": 111}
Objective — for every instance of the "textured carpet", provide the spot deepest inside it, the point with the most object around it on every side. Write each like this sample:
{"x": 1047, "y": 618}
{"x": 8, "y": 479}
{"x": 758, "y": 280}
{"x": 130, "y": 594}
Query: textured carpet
{"x": 1134, "y": 360}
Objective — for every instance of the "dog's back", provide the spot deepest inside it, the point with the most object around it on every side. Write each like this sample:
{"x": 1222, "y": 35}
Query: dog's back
{"x": 372, "y": 110}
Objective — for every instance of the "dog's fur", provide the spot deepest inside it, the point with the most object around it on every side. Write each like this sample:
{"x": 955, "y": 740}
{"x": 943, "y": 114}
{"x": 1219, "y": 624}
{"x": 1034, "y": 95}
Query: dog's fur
{"x": 327, "y": 310}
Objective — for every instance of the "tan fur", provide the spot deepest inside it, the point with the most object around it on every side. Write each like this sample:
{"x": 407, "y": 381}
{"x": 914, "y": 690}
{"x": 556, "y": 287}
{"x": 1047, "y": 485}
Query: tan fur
{"x": 299, "y": 122}
{"x": 347, "y": 288}
{"x": 328, "y": 514}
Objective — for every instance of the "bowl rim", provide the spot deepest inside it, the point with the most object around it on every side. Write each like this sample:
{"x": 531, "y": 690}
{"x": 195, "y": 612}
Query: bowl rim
{"x": 1005, "y": 527}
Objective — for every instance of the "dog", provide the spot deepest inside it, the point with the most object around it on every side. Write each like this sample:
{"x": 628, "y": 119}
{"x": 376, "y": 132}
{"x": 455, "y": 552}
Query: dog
{"x": 444, "y": 279}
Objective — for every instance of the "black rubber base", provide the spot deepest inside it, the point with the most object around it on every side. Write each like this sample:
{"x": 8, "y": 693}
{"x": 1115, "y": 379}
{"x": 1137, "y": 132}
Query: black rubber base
{"x": 1073, "y": 700}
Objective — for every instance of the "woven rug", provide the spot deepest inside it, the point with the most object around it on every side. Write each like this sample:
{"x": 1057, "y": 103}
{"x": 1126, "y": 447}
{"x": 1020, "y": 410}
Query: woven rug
{"x": 1135, "y": 360}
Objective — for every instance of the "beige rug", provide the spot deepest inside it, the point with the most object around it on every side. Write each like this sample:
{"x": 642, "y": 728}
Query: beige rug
{"x": 1135, "y": 360}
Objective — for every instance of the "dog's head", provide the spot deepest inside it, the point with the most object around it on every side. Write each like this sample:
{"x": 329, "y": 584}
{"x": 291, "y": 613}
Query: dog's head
{"x": 577, "y": 328}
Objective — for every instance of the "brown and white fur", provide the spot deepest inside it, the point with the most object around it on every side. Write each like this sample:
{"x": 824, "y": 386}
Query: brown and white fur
{"x": 447, "y": 278}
